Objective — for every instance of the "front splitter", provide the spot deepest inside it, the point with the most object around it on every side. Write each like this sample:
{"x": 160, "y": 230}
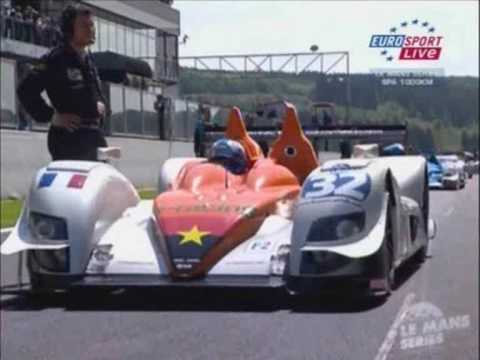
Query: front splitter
{"x": 116, "y": 281}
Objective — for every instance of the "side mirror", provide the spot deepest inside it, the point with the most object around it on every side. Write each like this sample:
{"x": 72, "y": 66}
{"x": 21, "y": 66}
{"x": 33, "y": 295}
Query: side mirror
{"x": 107, "y": 153}
{"x": 432, "y": 229}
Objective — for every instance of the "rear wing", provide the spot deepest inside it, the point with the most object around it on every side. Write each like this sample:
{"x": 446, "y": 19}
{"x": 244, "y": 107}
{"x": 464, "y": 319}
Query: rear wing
{"x": 385, "y": 134}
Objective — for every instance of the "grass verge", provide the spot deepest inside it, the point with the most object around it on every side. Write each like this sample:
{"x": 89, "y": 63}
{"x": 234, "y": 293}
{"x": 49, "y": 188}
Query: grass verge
{"x": 9, "y": 212}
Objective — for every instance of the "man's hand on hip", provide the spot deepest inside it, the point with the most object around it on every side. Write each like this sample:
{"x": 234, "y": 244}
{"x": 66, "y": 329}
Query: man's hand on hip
{"x": 71, "y": 122}
{"x": 101, "y": 108}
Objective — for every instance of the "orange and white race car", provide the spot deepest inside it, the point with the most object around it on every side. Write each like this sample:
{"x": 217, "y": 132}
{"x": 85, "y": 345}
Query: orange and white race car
{"x": 282, "y": 220}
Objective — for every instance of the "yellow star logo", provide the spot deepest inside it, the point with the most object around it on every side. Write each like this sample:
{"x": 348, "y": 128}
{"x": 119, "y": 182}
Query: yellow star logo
{"x": 194, "y": 236}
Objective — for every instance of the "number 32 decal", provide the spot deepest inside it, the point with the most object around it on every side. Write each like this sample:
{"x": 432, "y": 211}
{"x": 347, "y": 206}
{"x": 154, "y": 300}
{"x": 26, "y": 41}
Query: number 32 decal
{"x": 352, "y": 184}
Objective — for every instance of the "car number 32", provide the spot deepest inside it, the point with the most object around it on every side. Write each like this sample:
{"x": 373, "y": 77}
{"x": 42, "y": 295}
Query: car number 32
{"x": 352, "y": 184}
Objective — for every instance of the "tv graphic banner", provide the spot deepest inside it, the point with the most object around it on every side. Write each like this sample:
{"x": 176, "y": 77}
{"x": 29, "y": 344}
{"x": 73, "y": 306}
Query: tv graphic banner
{"x": 410, "y": 41}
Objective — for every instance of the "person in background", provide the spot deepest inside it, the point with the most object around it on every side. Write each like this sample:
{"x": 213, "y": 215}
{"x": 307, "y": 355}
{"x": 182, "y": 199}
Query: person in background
{"x": 39, "y": 31}
{"x": 249, "y": 120}
{"x": 345, "y": 149}
{"x": 3, "y": 17}
{"x": 327, "y": 121}
{"x": 202, "y": 123}
{"x": 71, "y": 82}
{"x": 18, "y": 24}
{"x": 28, "y": 25}
{"x": 159, "y": 106}
{"x": 8, "y": 30}
{"x": 36, "y": 28}
{"x": 314, "y": 125}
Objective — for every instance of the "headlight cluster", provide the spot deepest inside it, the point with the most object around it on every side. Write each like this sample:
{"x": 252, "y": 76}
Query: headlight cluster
{"x": 338, "y": 227}
{"x": 46, "y": 227}
{"x": 346, "y": 228}
{"x": 278, "y": 261}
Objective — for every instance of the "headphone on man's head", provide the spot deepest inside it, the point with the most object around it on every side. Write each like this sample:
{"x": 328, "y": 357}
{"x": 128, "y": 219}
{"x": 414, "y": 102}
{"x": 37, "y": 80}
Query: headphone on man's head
{"x": 67, "y": 20}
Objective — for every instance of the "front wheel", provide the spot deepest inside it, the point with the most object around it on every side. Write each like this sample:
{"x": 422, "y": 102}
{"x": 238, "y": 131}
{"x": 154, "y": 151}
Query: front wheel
{"x": 36, "y": 279}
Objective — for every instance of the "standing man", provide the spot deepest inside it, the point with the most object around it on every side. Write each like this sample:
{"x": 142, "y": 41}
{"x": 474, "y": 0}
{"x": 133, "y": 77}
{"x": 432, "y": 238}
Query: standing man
{"x": 159, "y": 106}
{"x": 72, "y": 85}
{"x": 203, "y": 122}
{"x": 199, "y": 133}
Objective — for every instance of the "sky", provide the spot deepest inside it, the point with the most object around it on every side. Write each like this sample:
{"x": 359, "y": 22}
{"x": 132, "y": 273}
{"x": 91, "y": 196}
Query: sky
{"x": 237, "y": 27}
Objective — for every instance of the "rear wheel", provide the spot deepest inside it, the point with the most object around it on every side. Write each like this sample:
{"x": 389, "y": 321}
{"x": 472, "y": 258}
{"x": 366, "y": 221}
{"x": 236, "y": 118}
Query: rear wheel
{"x": 390, "y": 275}
{"x": 389, "y": 254}
{"x": 426, "y": 201}
{"x": 422, "y": 253}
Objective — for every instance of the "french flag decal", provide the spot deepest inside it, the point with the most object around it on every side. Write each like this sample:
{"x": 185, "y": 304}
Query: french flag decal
{"x": 77, "y": 181}
{"x": 46, "y": 180}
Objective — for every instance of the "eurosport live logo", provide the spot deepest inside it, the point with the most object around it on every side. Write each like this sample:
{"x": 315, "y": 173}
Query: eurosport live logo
{"x": 410, "y": 41}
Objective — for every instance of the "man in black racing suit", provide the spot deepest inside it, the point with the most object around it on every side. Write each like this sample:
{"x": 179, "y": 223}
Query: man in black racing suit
{"x": 71, "y": 82}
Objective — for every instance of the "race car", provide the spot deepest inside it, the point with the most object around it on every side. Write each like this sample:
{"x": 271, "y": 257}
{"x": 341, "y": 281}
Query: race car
{"x": 453, "y": 171}
{"x": 435, "y": 172}
{"x": 233, "y": 219}
{"x": 469, "y": 158}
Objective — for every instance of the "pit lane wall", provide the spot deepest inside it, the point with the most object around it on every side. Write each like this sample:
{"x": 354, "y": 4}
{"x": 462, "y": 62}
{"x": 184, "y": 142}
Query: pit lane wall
{"x": 23, "y": 152}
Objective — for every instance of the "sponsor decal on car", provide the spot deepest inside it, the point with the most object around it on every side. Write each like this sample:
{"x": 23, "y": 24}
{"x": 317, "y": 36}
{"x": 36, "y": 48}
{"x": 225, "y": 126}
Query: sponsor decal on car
{"x": 245, "y": 211}
{"x": 355, "y": 185}
{"x": 192, "y": 236}
{"x": 260, "y": 245}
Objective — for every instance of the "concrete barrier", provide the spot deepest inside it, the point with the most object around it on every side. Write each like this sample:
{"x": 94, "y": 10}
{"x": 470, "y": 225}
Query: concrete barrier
{"x": 23, "y": 152}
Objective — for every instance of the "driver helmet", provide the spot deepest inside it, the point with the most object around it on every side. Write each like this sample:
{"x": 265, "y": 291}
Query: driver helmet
{"x": 230, "y": 154}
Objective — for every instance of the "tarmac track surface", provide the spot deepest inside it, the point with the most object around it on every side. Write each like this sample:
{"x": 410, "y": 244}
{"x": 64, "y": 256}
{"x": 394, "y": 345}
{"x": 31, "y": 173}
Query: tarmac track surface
{"x": 433, "y": 314}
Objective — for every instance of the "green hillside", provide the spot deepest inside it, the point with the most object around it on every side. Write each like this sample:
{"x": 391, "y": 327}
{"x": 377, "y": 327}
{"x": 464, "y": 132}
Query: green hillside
{"x": 442, "y": 118}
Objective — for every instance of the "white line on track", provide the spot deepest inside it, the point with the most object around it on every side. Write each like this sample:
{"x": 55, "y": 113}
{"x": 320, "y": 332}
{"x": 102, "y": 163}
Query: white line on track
{"x": 389, "y": 340}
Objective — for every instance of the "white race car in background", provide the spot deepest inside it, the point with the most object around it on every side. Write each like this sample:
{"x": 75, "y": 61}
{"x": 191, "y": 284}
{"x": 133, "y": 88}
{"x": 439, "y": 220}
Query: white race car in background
{"x": 454, "y": 176}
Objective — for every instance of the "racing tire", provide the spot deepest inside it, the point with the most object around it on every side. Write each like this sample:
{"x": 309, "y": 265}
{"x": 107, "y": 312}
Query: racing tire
{"x": 37, "y": 282}
{"x": 422, "y": 254}
{"x": 389, "y": 254}
{"x": 390, "y": 276}
{"x": 426, "y": 201}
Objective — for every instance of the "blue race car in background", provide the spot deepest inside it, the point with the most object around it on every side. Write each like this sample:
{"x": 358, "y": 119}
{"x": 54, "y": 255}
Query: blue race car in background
{"x": 435, "y": 172}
